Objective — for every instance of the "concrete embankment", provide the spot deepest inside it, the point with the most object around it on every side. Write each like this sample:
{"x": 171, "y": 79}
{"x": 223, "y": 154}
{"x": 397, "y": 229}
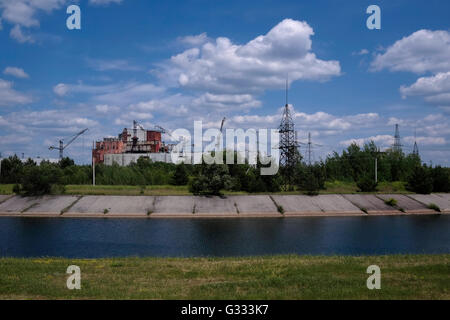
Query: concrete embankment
{"x": 230, "y": 206}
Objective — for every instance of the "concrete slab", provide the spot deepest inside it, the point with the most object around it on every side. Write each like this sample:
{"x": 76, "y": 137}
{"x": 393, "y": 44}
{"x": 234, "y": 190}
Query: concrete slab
{"x": 443, "y": 195}
{"x": 406, "y": 203}
{"x": 336, "y": 204}
{"x": 4, "y": 197}
{"x": 17, "y": 204}
{"x": 297, "y": 205}
{"x": 427, "y": 199}
{"x": 372, "y": 204}
{"x": 112, "y": 206}
{"x": 254, "y": 205}
{"x": 173, "y": 206}
{"x": 50, "y": 205}
{"x": 214, "y": 206}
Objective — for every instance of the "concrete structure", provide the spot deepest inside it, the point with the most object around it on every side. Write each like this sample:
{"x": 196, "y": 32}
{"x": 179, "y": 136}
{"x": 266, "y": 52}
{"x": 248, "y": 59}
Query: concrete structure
{"x": 50, "y": 205}
{"x": 203, "y": 207}
{"x": 407, "y": 204}
{"x": 210, "y": 206}
{"x": 427, "y": 199}
{"x": 136, "y": 141}
{"x": 298, "y": 205}
{"x": 125, "y": 159}
{"x": 113, "y": 206}
{"x": 173, "y": 206}
{"x": 370, "y": 203}
{"x": 254, "y": 205}
{"x": 444, "y": 195}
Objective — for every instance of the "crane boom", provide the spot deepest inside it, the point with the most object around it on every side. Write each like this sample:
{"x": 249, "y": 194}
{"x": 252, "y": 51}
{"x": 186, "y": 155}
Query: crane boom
{"x": 62, "y": 146}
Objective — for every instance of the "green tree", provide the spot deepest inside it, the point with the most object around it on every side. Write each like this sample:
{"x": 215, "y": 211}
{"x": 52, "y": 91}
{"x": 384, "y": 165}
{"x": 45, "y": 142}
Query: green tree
{"x": 180, "y": 177}
{"x": 420, "y": 181}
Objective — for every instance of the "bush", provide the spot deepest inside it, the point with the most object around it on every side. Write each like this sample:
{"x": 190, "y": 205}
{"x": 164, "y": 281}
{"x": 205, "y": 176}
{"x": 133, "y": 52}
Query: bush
{"x": 39, "y": 180}
{"x": 441, "y": 179}
{"x": 180, "y": 177}
{"x": 420, "y": 181}
{"x": 367, "y": 183}
{"x": 211, "y": 180}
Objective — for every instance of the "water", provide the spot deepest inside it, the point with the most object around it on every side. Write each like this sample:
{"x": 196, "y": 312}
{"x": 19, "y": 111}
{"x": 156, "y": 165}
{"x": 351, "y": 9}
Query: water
{"x": 94, "y": 238}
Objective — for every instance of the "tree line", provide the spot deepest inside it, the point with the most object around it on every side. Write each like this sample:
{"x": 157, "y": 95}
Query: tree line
{"x": 354, "y": 164}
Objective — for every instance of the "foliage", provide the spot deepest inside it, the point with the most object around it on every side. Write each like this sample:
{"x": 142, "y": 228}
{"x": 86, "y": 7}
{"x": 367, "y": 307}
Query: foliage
{"x": 180, "y": 177}
{"x": 211, "y": 180}
{"x": 420, "y": 180}
{"x": 39, "y": 180}
{"x": 367, "y": 183}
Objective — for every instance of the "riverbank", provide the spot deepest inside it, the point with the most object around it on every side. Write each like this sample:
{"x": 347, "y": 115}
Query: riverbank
{"x": 224, "y": 207}
{"x": 268, "y": 277}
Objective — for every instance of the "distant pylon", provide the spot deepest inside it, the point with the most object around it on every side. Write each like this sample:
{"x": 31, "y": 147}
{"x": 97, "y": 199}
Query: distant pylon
{"x": 309, "y": 148}
{"x": 416, "y": 148}
{"x": 289, "y": 155}
{"x": 397, "y": 144}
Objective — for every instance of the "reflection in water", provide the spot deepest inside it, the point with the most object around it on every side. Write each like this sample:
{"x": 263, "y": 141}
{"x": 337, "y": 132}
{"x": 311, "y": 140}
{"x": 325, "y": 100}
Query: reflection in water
{"x": 89, "y": 238}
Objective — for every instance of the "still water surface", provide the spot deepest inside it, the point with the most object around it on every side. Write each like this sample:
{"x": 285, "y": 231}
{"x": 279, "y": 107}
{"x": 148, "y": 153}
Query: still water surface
{"x": 94, "y": 238}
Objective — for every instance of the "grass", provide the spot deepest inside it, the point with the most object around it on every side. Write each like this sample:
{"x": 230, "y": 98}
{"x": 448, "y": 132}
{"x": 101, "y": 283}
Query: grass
{"x": 391, "y": 202}
{"x": 332, "y": 187}
{"x": 269, "y": 277}
{"x": 434, "y": 207}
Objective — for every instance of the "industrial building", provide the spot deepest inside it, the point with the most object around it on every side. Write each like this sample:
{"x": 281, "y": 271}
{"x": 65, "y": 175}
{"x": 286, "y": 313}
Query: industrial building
{"x": 130, "y": 145}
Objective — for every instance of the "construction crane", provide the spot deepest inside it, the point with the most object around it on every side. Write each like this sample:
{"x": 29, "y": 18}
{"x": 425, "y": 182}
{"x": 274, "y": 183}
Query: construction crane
{"x": 62, "y": 146}
{"x": 183, "y": 139}
{"x": 220, "y": 134}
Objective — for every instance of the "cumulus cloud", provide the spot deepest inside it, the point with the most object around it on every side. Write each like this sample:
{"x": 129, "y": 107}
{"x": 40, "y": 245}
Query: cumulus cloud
{"x": 11, "y": 97}
{"x": 195, "y": 40}
{"x": 382, "y": 140}
{"x": 422, "y": 51}
{"x": 15, "y": 72}
{"x": 222, "y": 67}
{"x": 435, "y": 89}
{"x": 23, "y": 14}
{"x": 104, "y": 108}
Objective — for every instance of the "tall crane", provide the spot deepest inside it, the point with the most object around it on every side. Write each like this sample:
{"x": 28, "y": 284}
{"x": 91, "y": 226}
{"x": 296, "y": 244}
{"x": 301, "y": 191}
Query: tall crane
{"x": 62, "y": 146}
{"x": 220, "y": 134}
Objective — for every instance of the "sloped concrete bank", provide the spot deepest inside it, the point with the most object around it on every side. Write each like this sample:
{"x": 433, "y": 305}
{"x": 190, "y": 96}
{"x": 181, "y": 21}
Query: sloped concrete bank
{"x": 228, "y": 207}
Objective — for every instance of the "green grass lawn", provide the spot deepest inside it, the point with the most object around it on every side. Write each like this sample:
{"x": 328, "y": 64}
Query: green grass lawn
{"x": 270, "y": 277}
{"x": 166, "y": 190}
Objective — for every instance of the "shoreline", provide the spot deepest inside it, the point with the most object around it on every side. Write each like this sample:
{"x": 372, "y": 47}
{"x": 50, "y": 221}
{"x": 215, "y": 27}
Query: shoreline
{"x": 242, "y": 206}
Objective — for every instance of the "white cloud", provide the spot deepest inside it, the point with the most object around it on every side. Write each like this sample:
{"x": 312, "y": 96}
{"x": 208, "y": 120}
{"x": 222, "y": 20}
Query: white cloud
{"x": 436, "y": 89}
{"x": 11, "y": 97}
{"x": 425, "y": 140}
{"x": 382, "y": 140}
{"x": 104, "y": 108}
{"x": 23, "y": 14}
{"x": 362, "y": 52}
{"x": 422, "y": 51}
{"x": 196, "y": 40}
{"x": 222, "y": 67}
{"x": 16, "y": 33}
{"x": 107, "y": 65}
{"x": 60, "y": 89}
{"x": 226, "y": 101}
{"x": 16, "y": 72}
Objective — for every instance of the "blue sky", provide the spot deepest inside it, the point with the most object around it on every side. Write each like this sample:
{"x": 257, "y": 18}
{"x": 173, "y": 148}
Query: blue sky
{"x": 169, "y": 63}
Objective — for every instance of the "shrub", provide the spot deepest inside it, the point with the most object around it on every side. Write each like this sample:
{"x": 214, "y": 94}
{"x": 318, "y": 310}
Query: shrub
{"x": 434, "y": 207}
{"x": 39, "y": 180}
{"x": 211, "y": 180}
{"x": 420, "y": 181}
{"x": 367, "y": 183}
{"x": 441, "y": 179}
{"x": 391, "y": 202}
{"x": 180, "y": 177}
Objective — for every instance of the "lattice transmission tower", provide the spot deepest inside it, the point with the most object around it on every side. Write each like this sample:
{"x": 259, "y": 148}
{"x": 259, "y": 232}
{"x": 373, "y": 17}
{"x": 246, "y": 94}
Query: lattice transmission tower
{"x": 397, "y": 146}
{"x": 289, "y": 153}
